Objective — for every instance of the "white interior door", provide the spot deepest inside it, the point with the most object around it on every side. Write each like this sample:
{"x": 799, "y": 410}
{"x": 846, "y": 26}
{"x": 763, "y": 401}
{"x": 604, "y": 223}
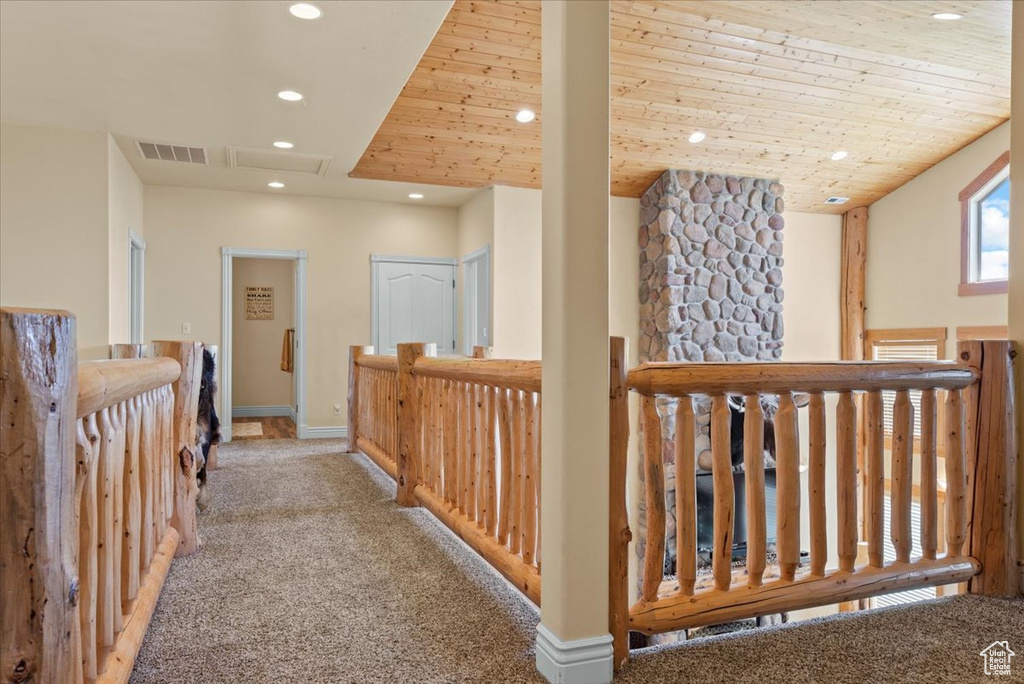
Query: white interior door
{"x": 414, "y": 302}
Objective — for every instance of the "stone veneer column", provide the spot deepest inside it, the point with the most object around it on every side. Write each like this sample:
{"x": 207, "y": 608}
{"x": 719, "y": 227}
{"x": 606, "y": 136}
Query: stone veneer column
{"x": 710, "y": 285}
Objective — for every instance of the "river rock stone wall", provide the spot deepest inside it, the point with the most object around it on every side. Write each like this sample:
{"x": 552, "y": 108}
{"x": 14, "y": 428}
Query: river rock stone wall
{"x": 710, "y": 288}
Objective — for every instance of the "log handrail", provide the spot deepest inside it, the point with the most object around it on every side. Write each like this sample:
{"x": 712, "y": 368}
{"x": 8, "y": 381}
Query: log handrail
{"x": 377, "y": 361}
{"x": 102, "y": 384}
{"x": 683, "y": 379}
{"x": 504, "y": 373}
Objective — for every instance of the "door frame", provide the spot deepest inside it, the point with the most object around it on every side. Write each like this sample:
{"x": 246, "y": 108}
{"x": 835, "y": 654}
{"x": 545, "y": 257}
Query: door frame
{"x": 136, "y": 287}
{"x": 301, "y": 258}
{"x": 482, "y": 254}
{"x": 377, "y": 259}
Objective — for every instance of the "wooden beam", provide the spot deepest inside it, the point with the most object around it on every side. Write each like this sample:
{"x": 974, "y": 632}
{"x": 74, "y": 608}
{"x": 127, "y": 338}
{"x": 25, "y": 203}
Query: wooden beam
{"x": 851, "y": 294}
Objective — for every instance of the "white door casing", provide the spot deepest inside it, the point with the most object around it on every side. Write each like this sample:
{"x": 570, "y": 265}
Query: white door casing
{"x": 476, "y": 299}
{"x": 413, "y": 301}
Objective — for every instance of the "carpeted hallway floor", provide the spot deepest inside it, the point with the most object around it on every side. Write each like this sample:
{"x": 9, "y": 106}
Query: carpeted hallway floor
{"x": 311, "y": 573}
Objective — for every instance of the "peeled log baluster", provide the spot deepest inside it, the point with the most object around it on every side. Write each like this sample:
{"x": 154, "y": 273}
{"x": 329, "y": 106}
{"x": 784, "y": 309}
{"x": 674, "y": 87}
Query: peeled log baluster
{"x": 132, "y": 506}
{"x": 474, "y": 452}
{"x": 753, "y": 465}
{"x": 105, "y": 511}
{"x": 491, "y": 498}
{"x": 929, "y": 479}
{"x": 956, "y": 476}
{"x": 875, "y": 481}
{"x": 846, "y": 480}
{"x": 505, "y": 484}
{"x": 117, "y": 416}
{"x": 451, "y": 448}
{"x": 654, "y": 482}
{"x": 816, "y": 484}
{"x": 901, "y": 496}
{"x": 516, "y": 483}
{"x": 147, "y": 456}
{"x": 88, "y": 437}
{"x": 529, "y": 482}
{"x": 724, "y": 496}
{"x": 787, "y": 440}
{"x": 686, "y": 497}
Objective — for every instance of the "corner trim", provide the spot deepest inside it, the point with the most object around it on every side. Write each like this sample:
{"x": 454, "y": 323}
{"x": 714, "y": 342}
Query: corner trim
{"x": 582, "y": 661}
{"x": 261, "y": 411}
{"x": 306, "y": 432}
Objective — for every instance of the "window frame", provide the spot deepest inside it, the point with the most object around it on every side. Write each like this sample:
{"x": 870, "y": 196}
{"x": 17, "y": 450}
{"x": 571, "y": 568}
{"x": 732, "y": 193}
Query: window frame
{"x": 967, "y": 223}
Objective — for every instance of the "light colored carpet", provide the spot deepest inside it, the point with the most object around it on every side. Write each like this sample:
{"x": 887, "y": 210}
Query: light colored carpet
{"x": 311, "y": 573}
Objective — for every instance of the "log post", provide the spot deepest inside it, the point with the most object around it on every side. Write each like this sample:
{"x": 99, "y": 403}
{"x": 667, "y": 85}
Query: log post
{"x": 410, "y": 420}
{"x": 991, "y": 467}
{"x": 354, "y": 352}
{"x": 787, "y": 523}
{"x": 481, "y": 352}
{"x": 853, "y": 276}
{"x": 654, "y": 481}
{"x": 189, "y": 356}
{"x": 619, "y": 535}
{"x": 724, "y": 495}
{"x": 38, "y": 513}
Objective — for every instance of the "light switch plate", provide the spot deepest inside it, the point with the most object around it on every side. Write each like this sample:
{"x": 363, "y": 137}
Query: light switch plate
{"x": 186, "y": 328}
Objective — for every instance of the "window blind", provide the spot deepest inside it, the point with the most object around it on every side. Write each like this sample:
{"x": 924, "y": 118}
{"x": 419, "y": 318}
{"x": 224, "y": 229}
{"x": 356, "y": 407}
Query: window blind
{"x": 903, "y": 351}
{"x": 915, "y": 552}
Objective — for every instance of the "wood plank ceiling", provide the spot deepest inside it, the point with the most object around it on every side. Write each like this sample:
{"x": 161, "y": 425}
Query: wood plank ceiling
{"x": 776, "y": 86}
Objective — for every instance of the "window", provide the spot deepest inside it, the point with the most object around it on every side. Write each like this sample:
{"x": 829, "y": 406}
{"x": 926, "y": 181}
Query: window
{"x": 920, "y": 344}
{"x": 985, "y": 230}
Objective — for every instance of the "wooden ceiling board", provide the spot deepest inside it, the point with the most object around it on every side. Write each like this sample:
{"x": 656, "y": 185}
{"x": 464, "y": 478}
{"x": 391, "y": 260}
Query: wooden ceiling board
{"x": 777, "y": 87}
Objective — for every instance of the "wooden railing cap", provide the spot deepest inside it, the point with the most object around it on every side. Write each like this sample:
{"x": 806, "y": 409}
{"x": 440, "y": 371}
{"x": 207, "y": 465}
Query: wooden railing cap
{"x": 681, "y": 379}
{"x": 106, "y": 383}
{"x": 515, "y": 375}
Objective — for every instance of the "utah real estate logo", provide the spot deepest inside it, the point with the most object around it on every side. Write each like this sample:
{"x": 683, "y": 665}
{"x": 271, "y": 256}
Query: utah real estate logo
{"x": 997, "y": 658}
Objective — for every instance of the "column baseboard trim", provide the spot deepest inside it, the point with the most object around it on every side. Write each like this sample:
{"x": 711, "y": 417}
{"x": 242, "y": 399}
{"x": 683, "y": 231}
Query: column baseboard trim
{"x": 261, "y": 411}
{"x": 581, "y": 661}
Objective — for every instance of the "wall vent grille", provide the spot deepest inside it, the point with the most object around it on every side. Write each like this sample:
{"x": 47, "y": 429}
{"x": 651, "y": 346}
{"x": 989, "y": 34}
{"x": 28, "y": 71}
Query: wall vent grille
{"x": 174, "y": 153}
{"x": 837, "y": 200}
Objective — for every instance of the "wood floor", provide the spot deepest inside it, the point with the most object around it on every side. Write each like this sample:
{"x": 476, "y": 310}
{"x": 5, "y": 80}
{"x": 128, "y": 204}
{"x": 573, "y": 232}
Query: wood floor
{"x": 277, "y": 427}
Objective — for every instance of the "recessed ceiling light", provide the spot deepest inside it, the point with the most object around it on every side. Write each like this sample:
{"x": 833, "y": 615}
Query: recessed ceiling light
{"x": 290, "y": 95}
{"x": 415, "y": 195}
{"x": 525, "y": 115}
{"x": 275, "y": 184}
{"x": 283, "y": 145}
{"x": 303, "y": 10}
{"x": 697, "y": 136}
{"x": 837, "y": 200}
{"x": 947, "y": 16}
{"x": 838, "y": 155}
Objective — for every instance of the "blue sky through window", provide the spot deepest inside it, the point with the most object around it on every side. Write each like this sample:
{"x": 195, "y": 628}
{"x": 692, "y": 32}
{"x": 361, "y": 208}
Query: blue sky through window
{"x": 994, "y": 215}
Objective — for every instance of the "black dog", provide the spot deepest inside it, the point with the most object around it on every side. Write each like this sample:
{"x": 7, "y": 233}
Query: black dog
{"x": 207, "y": 424}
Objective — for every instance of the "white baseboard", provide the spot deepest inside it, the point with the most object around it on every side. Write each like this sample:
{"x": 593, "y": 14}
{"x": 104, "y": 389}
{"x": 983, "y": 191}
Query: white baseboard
{"x": 306, "y": 432}
{"x": 261, "y": 411}
{"x": 582, "y": 661}
{"x": 293, "y": 415}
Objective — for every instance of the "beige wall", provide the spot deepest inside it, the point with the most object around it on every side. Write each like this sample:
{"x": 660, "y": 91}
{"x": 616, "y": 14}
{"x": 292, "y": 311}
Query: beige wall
{"x": 54, "y": 233}
{"x": 124, "y": 203}
{"x": 185, "y": 229}
{"x": 913, "y": 268}
{"x": 257, "y": 378}
{"x": 476, "y": 230}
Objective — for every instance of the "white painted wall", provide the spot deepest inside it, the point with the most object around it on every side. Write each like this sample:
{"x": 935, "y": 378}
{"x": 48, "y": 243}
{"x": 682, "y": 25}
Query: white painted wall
{"x": 124, "y": 204}
{"x": 185, "y": 229}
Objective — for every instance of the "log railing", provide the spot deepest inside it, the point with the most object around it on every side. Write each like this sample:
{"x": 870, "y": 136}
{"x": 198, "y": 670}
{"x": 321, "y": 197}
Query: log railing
{"x": 464, "y": 442}
{"x": 976, "y": 397}
{"x": 373, "y": 407}
{"x": 96, "y": 458}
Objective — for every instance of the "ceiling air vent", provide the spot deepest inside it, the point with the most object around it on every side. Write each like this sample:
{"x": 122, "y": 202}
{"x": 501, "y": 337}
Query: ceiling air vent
{"x": 278, "y": 160}
{"x": 837, "y": 200}
{"x": 174, "y": 153}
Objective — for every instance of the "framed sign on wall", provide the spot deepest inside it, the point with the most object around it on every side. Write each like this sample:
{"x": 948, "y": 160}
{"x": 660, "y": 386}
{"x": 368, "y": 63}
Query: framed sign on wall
{"x": 259, "y": 303}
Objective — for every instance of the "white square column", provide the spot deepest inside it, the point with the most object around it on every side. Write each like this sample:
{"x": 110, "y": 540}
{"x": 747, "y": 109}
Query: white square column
{"x": 573, "y": 643}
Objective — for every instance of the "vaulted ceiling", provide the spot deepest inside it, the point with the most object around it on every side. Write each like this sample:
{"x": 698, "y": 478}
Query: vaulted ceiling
{"x": 777, "y": 87}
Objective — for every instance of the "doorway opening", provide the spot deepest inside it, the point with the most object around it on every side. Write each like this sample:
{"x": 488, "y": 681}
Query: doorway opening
{"x": 136, "y": 285}
{"x": 263, "y": 351}
{"x": 476, "y": 293}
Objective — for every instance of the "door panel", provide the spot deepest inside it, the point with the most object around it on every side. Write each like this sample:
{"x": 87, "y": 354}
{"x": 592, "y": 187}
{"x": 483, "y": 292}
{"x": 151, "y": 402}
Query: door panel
{"x": 415, "y": 303}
